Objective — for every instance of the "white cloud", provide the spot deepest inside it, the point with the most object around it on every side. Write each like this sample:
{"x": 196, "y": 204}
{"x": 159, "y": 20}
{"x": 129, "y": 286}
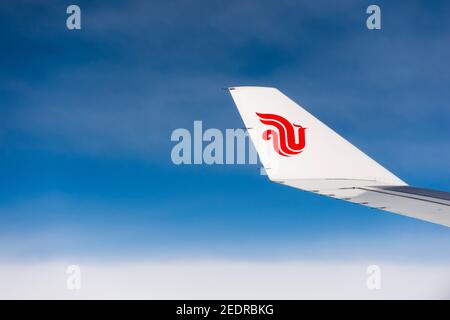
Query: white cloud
{"x": 223, "y": 280}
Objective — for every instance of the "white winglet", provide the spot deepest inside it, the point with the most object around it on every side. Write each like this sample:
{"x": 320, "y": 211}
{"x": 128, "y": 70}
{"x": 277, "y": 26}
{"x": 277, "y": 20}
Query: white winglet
{"x": 299, "y": 150}
{"x": 324, "y": 155}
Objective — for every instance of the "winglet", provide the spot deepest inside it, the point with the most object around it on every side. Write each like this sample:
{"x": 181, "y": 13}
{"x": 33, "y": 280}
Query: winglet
{"x": 297, "y": 146}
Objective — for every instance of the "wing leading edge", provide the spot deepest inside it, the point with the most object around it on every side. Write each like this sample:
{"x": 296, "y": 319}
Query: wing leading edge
{"x": 327, "y": 164}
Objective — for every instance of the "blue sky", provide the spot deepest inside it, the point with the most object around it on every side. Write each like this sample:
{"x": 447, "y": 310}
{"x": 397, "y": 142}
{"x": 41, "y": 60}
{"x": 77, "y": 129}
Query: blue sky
{"x": 86, "y": 118}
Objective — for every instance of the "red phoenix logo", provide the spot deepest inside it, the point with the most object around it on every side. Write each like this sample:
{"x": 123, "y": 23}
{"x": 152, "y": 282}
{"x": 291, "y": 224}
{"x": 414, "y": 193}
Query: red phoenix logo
{"x": 284, "y": 137}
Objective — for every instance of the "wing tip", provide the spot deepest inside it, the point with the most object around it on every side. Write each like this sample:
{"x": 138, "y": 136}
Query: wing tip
{"x": 250, "y": 88}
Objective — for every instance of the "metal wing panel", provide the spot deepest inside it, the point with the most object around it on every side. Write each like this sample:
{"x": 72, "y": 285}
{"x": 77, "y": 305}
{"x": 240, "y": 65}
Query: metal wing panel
{"x": 428, "y": 205}
{"x": 428, "y": 208}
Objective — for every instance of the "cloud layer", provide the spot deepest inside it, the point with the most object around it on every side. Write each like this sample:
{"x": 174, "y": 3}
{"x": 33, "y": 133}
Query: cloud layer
{"x": 210, "y": 279}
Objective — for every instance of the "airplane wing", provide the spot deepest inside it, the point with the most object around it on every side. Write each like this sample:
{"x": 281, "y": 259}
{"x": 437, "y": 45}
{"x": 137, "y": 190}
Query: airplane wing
{"x": 298, "y": 150}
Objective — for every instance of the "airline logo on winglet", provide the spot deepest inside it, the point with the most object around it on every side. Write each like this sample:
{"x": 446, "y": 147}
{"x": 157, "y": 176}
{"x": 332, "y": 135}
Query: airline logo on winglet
{"x": 288, "y": 138}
